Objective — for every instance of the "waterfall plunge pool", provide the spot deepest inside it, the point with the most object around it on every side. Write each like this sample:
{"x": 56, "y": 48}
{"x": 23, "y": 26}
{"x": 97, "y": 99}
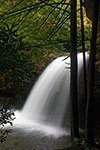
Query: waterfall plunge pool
{"x": 27, "y": 135}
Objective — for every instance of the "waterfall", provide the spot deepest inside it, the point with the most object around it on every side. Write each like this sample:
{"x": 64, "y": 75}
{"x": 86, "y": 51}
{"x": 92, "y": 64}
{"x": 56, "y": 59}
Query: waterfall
{"x": 48, "y": 101}
{"x": 44, "y": 121}
{"x": 47, "y": 107}
{"x": 49, "y": 98}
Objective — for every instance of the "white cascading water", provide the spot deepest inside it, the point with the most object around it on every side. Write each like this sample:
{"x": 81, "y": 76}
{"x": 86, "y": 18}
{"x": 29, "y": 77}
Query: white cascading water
{"x": 48, "y": 102}
{"x": 49, "y": 98}
{"x": 45, "y": 117}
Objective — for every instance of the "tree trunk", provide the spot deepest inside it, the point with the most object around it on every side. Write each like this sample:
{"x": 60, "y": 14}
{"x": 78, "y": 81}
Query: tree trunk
{"x": 89, "y": 108}
{"x": 83, "y": 50}
{"x": 73, "y": 89}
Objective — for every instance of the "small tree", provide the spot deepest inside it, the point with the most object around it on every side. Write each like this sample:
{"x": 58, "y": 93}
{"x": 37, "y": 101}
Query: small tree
{"x": 6, "y": 117}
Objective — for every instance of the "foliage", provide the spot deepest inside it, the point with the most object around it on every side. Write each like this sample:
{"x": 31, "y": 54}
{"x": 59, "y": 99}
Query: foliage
{"x": 6, "y": 117}
{"x": 33, "y": 33}
{"x": 45, "y": 22}
{"x": 14, "y": 61}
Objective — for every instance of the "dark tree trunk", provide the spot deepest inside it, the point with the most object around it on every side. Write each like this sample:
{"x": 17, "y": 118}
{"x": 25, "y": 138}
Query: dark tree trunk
{"x": 74, "y": 109}
{"x": 83, "y": 50}
{"x": 89, "y": 109}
